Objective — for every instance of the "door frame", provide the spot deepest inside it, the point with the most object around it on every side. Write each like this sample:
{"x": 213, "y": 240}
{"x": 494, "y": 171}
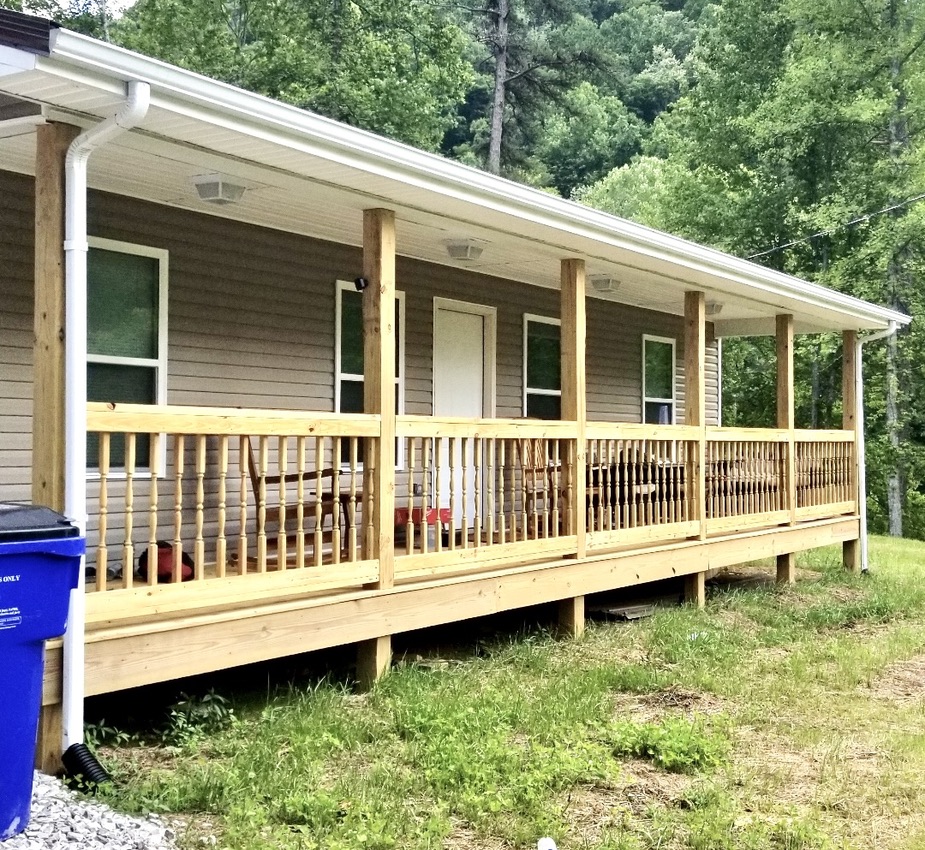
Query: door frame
{"x": 489, "y": 362}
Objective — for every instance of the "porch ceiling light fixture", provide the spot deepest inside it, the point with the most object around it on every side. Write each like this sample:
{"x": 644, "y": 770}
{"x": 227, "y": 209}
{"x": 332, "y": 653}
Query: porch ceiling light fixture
{"x": 604, "y": 283}
{"x": 713, "y": 308}
{"x": 467, "y": 250}
{"x": 217, "y": 189}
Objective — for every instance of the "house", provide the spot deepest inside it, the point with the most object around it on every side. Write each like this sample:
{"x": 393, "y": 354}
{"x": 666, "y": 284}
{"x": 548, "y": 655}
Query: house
{"x": 349, "y": 389}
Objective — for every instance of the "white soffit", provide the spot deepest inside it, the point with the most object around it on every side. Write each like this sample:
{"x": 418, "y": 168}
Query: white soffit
{"x": 314, "y": 176}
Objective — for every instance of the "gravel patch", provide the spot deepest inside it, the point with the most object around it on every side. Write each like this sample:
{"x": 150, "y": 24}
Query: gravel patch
{"x": 62, "y": 819}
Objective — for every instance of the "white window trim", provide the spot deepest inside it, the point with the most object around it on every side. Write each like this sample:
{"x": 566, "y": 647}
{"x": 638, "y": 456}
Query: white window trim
{"x": 159, "y": 363}
{"x": 674, "y": 372}
{"x": 346, "y": 285}
{"x": 544, "y": 320}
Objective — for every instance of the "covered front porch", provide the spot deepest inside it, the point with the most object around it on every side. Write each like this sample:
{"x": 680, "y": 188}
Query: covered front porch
{"x": 287, "y": 531}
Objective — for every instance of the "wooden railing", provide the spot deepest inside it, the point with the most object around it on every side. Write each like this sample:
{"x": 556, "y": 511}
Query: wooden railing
{"x": 640, "y": 481}
{"x": 746, "y": 478}
{"x": 233, "y": 494}
{"x": 284, "y": 499}
{"x": 480, "y": 493}
{"x": 825, "y": 473}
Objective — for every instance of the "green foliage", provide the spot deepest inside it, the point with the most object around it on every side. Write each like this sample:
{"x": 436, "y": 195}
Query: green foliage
{"x": 192, "y": 717}
{"x": 676, "y": 744}
{"x": 396, "y": 68}
{"x": 99, "y": 734}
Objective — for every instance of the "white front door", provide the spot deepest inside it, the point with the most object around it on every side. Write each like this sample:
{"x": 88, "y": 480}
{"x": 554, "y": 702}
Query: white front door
{"x": 463, "y": 350}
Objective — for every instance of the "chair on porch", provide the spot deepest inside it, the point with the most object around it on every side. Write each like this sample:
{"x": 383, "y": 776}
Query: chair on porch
{"x": 538, "y": 470}
{"x": 334, "y": 506}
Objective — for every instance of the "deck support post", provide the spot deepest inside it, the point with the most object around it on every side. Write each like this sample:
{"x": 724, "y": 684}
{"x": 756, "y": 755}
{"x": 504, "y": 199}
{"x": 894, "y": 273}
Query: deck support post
{"x": 851, "y": 549}
{"x": 786, "y": 568}
{"x": 379, "y": 379}
{"x": 574, "y": 409}
{"x": 572, "y": 617}
{"x": 373, "y": 659}
{"x": 695, "y": 390}
{"x": 48, "y": 432}
{"x": 695, "y": 589}
{"x": 786, "y": 564}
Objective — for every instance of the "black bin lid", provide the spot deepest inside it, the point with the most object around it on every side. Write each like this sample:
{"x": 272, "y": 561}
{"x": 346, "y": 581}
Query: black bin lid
{"x": 33, "y": 522}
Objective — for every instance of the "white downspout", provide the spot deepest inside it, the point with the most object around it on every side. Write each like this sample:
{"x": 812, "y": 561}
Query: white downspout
{"x": 75, "y": 382}
{"x": 859, "y": 419}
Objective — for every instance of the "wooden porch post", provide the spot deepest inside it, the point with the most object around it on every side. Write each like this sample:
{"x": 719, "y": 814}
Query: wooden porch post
{"x": 52, "y": 141}
{"x": 573, "y": 312}
{"x": 851, "y": 549}
{"x": 379, "y": 397}
{"x": 786, "y": 563}
{"x": 695, "y": 356}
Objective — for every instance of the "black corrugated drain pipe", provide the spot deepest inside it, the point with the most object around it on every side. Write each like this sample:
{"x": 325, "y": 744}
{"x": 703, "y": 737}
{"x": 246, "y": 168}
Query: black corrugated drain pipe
{"x": 81, "y": 765}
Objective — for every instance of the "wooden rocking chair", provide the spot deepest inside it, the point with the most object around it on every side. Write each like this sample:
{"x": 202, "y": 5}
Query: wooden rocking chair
{"x": 280, "y": 515}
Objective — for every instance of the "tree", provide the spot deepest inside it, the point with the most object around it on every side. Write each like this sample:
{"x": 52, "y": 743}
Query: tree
{"x": 800, "y": 123}
{"x": 393, "y": 67}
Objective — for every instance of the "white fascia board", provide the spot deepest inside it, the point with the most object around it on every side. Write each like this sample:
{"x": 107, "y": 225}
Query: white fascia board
{"x": 13, "y": 61}
{"x": 195, "y": 96}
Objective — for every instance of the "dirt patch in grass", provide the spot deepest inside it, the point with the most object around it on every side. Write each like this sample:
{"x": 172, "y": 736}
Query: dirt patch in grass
{"x": 463, "y": 837}
{"x": 806, "y": 777}
{"x": 902, "y": 682}
{"x": 592, "y": 809}
{"x": 671, "y": 701}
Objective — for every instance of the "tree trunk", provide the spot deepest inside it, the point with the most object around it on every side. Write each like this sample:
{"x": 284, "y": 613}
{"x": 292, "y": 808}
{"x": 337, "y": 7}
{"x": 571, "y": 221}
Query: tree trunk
{"x": 499, "y": 44}
{"x": 897, "y": 269}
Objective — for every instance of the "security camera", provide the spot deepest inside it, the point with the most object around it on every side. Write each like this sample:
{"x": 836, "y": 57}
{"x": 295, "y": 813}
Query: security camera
{"x": 361, "y": 283}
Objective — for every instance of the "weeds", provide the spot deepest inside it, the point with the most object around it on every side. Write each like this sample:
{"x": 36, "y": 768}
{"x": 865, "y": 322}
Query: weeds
{"x": 676, "y": 744}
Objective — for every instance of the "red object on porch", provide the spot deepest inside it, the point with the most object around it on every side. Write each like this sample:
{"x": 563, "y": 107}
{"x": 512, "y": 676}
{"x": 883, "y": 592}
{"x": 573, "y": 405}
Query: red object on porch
{"x": 401, "y": 516}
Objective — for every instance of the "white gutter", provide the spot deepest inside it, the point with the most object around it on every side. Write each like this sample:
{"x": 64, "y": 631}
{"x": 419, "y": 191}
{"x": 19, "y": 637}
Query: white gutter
{"x": 75, "y": 382}
{"x": 859, "y": 420}
{"x": 100, "y": 65}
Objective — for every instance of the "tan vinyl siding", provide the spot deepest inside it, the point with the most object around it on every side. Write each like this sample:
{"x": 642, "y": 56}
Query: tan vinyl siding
{"x": 16, "y": 336}
{"x": 251, "y": 320}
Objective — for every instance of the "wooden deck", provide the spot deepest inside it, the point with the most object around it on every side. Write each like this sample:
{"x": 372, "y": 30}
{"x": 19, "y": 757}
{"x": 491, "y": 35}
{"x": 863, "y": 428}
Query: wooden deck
{"x": 490, "y": 515}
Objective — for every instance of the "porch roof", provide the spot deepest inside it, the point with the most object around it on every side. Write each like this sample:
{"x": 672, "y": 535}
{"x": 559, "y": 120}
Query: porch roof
{"x": 311, "y": 175}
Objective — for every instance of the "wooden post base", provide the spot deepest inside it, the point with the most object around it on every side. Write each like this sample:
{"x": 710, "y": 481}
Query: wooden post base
{"x": 786, "y": 568}
{"x": 695, "y": 589}
{"x": 572, "y": 617}
{"x": 373, "y": 660}
{"x": 48, "y": 751}
{"x": 851, "y": 555}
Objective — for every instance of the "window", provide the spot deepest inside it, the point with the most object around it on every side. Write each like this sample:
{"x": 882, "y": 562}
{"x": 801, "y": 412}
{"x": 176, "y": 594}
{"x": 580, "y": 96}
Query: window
{"x": 348, "y": 354}
{"x": 126, "y": 334}
{"x": 658, "y": 370}
{"x": 542, "y": 367}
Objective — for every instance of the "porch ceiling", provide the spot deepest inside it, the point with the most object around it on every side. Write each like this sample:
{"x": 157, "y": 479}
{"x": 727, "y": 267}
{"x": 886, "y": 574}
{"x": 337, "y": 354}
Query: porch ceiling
{"x": 309, "y": 175}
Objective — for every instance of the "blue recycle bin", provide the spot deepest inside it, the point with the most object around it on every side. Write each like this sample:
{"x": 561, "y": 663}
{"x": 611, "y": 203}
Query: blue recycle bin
{"x": 39, "y": 565}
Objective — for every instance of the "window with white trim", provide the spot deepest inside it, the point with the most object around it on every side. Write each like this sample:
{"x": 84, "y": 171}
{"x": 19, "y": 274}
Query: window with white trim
{"x": 542, "y": 367}
{"x": 658, "y": 380}
{"x": 126, "y": 335}
{"x": 348, "y": 354}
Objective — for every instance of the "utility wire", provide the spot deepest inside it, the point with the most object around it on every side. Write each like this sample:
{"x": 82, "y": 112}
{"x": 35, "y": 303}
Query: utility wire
{"x": 906, "y": 203}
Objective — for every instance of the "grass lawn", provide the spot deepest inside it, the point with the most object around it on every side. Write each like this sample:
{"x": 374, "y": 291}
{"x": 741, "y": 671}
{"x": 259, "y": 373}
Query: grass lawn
{"x": 776, "y": 718}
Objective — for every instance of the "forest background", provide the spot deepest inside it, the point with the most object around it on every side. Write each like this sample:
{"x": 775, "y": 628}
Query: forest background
{"x": 788, "y": 132}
